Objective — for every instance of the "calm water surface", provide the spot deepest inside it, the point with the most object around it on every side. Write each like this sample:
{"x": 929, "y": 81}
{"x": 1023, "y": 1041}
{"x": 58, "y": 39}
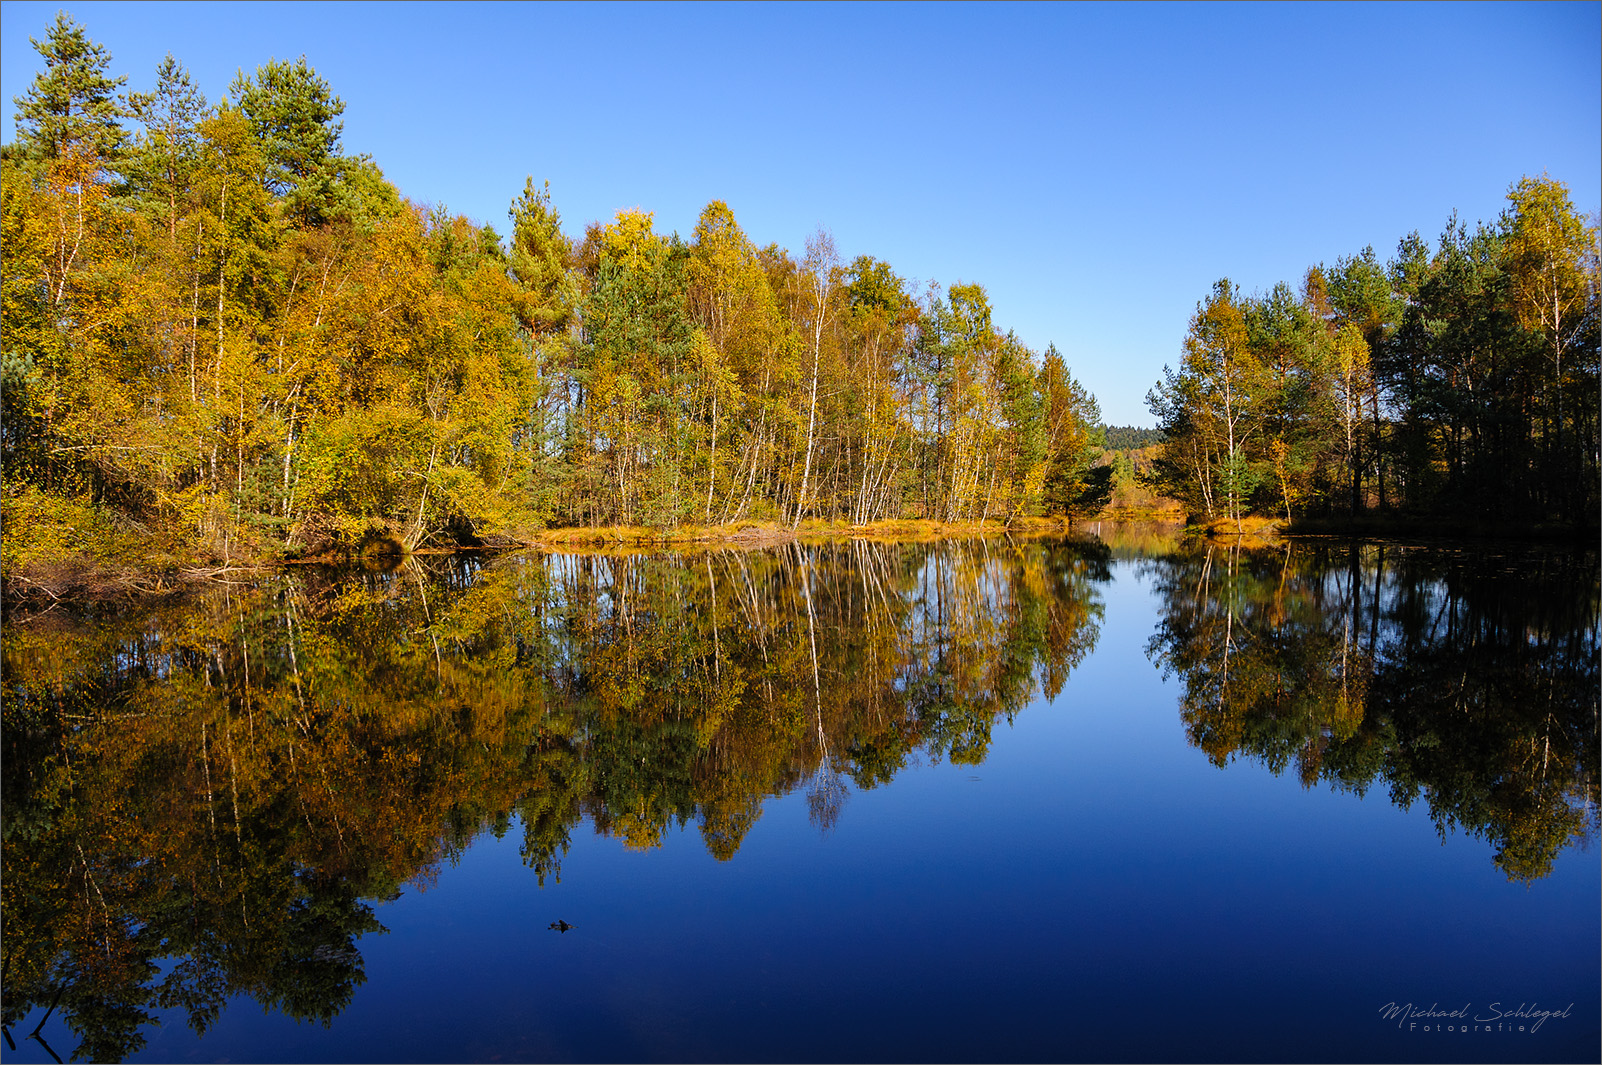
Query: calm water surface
{"x": 1100, "y": 799}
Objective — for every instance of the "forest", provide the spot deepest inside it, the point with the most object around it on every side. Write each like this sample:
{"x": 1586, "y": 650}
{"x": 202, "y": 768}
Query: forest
{"x": 1130, "y": 437}
{"x": 1455, "y": 382}
{"x": 227, "y": 338}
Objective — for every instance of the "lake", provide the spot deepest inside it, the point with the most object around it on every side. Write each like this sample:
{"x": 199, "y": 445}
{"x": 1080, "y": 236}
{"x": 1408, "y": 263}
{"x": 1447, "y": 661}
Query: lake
{"x": 1107, "y": 798}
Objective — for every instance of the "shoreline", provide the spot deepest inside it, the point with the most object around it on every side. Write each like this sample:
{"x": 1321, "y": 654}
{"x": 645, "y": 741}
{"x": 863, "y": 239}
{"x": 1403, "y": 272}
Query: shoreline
{"x": 1399, "y": 526}
{"x": 87, "y": 578}
{"x": 80, "y": 579}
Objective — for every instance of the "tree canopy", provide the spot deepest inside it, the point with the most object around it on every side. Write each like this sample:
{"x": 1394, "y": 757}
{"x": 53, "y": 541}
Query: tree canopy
{"x": 224, "y": 331}
{"x": 1456, "y": 381}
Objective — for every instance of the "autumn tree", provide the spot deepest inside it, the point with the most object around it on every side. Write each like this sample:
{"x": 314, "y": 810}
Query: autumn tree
{"x": 1289, "y": 354}
{"x": 1071, "y": 416}
{"x": 1207, "y": 411}
{"x": 881, "y": 319}
{"x": 248, "y": 343}
{"x": 740, "y": 364}
{"x": 1546, "y": 250}
{"x": 819, "y": 270}
{"x": 1352, "y": 383}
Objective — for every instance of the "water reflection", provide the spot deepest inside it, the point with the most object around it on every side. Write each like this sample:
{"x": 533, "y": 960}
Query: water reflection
{"x": 205, "y": 800}
{"x": 202, "y": 800}
{"x": 1469, "y": 680}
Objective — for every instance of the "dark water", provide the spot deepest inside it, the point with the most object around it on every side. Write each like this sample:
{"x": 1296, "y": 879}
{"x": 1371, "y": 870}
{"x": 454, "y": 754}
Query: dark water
{"x": 1067, "y": 800}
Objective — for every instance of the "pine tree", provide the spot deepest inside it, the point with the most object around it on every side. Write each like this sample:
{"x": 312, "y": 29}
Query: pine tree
{"x": 72, "y": 107}
{"x": 168, "y": 153}
{"x": 294, "y": 116}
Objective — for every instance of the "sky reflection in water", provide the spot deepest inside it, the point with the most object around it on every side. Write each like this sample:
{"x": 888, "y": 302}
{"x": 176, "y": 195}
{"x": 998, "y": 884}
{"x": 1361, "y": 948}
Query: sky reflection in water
{"x": 1094, "y": 888}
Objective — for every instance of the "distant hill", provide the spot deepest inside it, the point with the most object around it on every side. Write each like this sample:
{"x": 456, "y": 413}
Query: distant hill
{"x": 1129, "y": 437}
{"x": 1131, "y": 451}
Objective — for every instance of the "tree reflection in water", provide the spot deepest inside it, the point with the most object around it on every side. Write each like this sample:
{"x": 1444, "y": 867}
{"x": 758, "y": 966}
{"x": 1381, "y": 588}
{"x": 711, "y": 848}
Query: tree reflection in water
{"x": 201, "y": 800}
{"x": 1467, "y": 679}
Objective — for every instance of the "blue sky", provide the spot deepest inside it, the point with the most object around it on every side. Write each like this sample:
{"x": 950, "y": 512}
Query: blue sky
{"x": 1095, "y": 167}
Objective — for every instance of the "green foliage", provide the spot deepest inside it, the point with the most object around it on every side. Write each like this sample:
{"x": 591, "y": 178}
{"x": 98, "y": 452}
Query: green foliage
{"x": 162, "y": 165}
{"x": 293, "y": 115}
{"x": 634, "y": 368}
{"x": 1459, "y": 381}
{"x": 360, "y": 195}
{"x": 72, "y": 107}
{"x": 541, "y": 259}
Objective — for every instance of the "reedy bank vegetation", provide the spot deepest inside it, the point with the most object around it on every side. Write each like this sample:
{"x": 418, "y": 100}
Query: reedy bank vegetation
{"x": 1456, "y": 382}
{"x": 222, "y": 328}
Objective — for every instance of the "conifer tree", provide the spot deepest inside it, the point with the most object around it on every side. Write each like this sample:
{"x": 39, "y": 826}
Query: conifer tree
{"x": 168, "y": 153}
{"x": 295, "y": 118}
{"x": 72, "y": 106}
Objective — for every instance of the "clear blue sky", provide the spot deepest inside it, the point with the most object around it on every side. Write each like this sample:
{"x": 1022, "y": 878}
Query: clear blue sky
{"x": 1095, "y": 167}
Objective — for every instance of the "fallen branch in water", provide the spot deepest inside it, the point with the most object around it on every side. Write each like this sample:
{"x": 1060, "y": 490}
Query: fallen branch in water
{"x": 214, "y": 575}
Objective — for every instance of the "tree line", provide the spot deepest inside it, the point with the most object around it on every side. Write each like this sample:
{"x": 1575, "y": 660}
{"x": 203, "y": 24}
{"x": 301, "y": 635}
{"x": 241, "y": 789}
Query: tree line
{"x": 1459, "y": 380}
{"x": 221, "y": 324}
{"x": 1130, "y": 437}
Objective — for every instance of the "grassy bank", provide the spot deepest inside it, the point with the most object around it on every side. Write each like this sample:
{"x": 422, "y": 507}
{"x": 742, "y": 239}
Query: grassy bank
{"x": 757, "y": 533}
